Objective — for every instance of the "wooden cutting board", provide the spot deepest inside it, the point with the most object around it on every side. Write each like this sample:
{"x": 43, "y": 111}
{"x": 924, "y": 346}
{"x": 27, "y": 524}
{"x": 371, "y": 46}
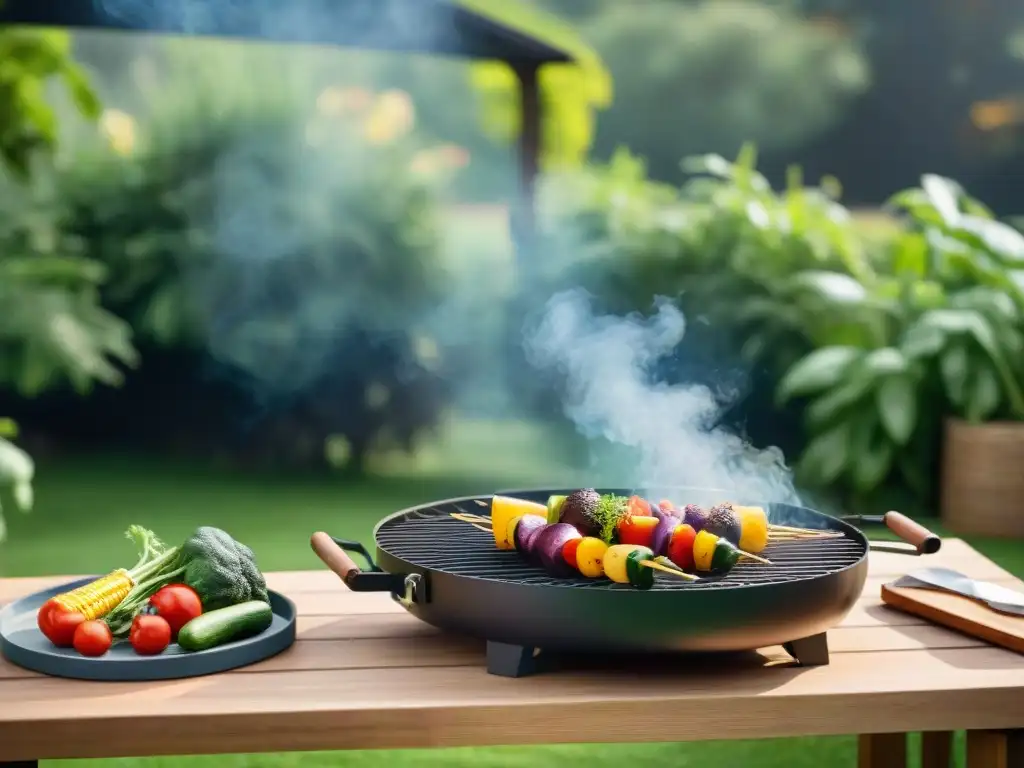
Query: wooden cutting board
{"x": 960, "y": 613}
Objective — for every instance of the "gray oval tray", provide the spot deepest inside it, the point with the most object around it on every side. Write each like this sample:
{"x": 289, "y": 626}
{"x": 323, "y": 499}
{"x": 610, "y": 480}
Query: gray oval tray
{"x": 23, "y": 644}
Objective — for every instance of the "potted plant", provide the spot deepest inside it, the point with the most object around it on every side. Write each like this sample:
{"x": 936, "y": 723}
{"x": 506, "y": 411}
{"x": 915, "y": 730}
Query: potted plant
{"x": 930, "y": 347}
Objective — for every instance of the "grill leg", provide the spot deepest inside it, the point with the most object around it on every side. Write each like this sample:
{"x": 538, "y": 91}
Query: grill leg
{"x": 507, "y": 660}
{"x": 809, "y": 651}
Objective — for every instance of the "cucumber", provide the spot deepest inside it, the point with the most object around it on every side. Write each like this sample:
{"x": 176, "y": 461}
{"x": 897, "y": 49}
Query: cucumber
{"x": 223, "y": 625}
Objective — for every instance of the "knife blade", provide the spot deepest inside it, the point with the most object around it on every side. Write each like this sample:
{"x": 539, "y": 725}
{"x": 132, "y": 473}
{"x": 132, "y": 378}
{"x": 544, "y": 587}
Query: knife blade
{"x": 996, "y": 597}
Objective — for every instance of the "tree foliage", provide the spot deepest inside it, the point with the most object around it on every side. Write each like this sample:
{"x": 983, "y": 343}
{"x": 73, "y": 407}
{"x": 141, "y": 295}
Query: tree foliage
{"x": 52, "y": 326}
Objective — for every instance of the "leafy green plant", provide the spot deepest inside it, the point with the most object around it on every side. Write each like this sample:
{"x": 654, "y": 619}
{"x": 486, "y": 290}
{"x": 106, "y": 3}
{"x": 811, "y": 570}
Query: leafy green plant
{"x": 287, "y": 246}
{"x": 16, "y": 471}
{"x": 52, "y": 327}
{"x": 857, "y": 341}
{"x": 937, "y": 332}
{"x": 32, "y": 59}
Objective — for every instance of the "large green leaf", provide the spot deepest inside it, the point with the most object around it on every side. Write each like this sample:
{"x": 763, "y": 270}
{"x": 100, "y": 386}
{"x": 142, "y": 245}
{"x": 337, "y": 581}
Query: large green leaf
{"x": 833, "y": 287}
{"x": 826, "y": 456}
{"x": 922, "y": 340}
{"x": 918, "y": 205}
{"x": 910, "y": 255}
{"x": 1001, "y": 240}
{"x": 818, "y": 371}
{"x": 944, "y": 195}
{"x": 872, "y": 467}
{"x": 986, "y": 300}
{"x": 887, "y": 361}
{"x": 873, "y": 454}
{"x": 835, "y": 404}
{"x": 16, "y": 472}
{"x": 955, "y": 366}
{"x": 983, "y": 395}
{"x": 972, "y": 324}
{"x": 897, "y": 407}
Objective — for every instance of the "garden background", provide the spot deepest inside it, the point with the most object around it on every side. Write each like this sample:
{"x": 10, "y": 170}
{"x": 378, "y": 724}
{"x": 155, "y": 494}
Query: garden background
{"x": 272, "y": 288}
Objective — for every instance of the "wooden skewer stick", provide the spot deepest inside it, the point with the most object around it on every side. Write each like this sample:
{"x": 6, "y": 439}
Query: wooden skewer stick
{"x": 791, "y": 529}
{"x": 470, "y": 518}
{"x": 666, "y": 569}
{"x": 755, "y": 558}
{"x": 481, "y": 528}
{"x": 805, "y": 536}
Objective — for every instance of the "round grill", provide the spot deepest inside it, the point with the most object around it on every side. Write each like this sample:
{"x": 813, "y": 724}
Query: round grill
{"x": 429, "y": 538}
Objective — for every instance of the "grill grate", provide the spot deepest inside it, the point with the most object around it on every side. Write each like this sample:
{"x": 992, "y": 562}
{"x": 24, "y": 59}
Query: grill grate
{"x": 430, "y": 538}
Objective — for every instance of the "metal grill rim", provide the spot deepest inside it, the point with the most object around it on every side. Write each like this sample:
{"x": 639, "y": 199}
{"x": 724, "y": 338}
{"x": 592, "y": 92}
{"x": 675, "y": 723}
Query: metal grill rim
{"x": 429, "y": 538}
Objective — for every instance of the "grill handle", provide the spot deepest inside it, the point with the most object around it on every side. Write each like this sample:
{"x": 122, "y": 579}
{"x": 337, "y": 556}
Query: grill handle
{"x": 923, "y": 541}
{"x": 334, "y": 554}
{"x": 334, "y": 557}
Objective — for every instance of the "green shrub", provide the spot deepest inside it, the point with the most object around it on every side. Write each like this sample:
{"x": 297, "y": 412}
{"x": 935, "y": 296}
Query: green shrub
{"x": 52, "y": 327}
{"x": 854, "y": 344}
{"x": 285, "y": 254}
{"x": 939, "y": 332}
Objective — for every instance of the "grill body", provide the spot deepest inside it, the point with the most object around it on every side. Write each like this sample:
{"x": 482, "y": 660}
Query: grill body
{"x": 471, "y": 588}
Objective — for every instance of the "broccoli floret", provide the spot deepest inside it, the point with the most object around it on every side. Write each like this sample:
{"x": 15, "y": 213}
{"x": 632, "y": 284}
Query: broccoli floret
{"x": 221, "y": 570}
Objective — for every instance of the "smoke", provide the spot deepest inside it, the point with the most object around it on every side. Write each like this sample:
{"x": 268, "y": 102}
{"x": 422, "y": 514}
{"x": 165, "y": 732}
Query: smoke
{"x": 270, "y": 187}
{"x": 608, "y": 365}
{"x": 260, "y": 216}
{"x": 370, "y": 24}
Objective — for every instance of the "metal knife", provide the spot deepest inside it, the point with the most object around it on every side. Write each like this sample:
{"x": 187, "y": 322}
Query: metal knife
{"x": 996, "y": 597}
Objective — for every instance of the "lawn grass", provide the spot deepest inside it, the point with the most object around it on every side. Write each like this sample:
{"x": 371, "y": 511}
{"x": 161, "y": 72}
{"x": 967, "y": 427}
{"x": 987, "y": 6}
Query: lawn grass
{"x": 84, "y": 505}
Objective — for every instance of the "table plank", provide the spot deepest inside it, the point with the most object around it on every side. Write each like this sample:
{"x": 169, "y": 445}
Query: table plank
{"x": 416, "y": 649}
{"x": 452, "y": 706}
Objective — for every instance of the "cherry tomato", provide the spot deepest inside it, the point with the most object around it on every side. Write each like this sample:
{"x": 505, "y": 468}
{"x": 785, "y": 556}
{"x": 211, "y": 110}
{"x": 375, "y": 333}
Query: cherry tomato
{"x": 178, "y": 604}
{"x": 637, "y": 530}
{"x": 680, "y": 546}
{"x": 639, "y": 507}
{"x": 58, "y": 624}
{"x": 93, "y": 638}
{"x": 569, "y": 552}
{"x": 149, "y": 634}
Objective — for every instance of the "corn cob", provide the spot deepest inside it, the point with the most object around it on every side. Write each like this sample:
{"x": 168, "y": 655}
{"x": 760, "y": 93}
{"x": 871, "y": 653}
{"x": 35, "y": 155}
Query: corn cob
{"x": 97, "y": 598}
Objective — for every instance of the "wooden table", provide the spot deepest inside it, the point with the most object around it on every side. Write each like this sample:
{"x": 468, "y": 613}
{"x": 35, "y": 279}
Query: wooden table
{"x": 364, "y": 674}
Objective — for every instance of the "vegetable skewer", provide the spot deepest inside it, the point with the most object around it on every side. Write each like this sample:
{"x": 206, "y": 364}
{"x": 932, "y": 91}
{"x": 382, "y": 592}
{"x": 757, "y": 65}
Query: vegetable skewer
{"x": 561, "y": 548}
{"x": 642, "y": 529}
{"x": 774, "y": 530}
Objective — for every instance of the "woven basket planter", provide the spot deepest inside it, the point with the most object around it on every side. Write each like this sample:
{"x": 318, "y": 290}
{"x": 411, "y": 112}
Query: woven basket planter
{"x": 983, "y": 478}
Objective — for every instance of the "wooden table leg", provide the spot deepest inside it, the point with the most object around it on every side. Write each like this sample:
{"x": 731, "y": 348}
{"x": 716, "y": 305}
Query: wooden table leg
{"x": 995, "y": 749}
{"x": 937, "y": 749}
{"x": 882, "y": 750}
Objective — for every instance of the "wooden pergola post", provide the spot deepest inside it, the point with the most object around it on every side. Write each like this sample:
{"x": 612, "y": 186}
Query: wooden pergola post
{"x": 524, "y": 214}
